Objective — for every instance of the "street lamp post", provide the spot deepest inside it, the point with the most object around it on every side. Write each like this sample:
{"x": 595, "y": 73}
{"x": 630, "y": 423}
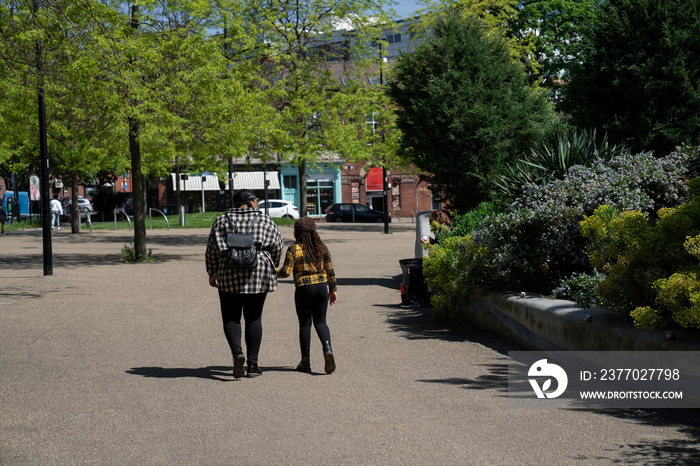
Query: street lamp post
{"x": 384, "y": 176}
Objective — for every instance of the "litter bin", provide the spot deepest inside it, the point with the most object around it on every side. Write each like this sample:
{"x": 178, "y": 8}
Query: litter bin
{"x": 413, "y": 282}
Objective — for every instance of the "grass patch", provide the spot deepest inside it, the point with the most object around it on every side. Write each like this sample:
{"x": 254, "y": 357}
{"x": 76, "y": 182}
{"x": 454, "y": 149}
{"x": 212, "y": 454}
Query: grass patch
{"x": 195, "y": 220}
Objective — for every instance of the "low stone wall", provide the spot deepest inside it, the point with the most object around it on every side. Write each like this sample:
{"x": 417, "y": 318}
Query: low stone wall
{"x": 538, "y": 323}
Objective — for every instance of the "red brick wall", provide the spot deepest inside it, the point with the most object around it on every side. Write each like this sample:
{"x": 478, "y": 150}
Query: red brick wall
{"x": 414, "y": 195}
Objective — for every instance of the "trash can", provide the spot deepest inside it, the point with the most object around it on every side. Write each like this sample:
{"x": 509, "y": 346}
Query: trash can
{"x": 413, "y": 281}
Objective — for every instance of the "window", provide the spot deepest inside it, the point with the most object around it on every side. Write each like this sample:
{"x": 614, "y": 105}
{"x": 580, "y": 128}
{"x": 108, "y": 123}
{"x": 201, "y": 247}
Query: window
{"x": 373, "y": 80}
{"x": 290, "y": 181}
{"x": 393, "y": 38}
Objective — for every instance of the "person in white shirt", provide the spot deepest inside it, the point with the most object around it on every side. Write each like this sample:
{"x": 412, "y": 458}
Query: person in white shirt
{"x": 56, "y": 210}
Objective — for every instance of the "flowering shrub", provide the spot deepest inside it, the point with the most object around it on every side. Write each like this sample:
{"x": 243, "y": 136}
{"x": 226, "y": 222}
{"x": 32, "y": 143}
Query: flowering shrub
{"x": 651, "y": 267}
{"x": 537, "y": 241}
{"x": 582, "y": 288}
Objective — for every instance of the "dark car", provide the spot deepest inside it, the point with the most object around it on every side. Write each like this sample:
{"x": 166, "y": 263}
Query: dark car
{"x": 350, "y": 213}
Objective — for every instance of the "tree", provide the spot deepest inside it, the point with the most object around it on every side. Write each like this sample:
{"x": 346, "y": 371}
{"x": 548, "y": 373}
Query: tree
{"x": 465, "y": 109}
{"x": 555, "y": 28}
{"x": 55, "y": 33}
{"x": 638, "y": 79}
{"x": 300, "y": 80}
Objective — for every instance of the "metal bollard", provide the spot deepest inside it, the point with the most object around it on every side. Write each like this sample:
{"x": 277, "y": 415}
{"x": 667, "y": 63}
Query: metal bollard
{"x": 182, "y": 215}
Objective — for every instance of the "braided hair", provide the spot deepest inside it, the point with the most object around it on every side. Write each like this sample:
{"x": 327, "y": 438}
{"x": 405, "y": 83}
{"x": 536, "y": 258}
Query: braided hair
{"x": 306, "y": 235}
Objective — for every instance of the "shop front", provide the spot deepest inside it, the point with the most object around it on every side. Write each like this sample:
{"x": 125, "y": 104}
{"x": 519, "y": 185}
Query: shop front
{"x": 322, "y": 188}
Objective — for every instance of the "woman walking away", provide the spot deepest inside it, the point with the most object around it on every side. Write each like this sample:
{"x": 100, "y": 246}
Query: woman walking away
{"x": 314, "y": 279}
{"x": 243, "y": 291}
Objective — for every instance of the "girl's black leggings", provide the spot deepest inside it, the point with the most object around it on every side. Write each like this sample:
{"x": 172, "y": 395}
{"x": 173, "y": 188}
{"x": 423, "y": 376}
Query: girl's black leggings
{"x": 311, "y": 302}
{"x": 250, "y": 306}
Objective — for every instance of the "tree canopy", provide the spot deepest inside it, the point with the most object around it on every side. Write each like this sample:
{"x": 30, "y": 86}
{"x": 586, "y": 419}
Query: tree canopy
{"x": 465, "y": 109}
{"x": 638, "y": 75}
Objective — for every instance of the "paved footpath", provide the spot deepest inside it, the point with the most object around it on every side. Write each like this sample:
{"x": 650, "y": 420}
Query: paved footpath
{"x": 112, "y": 363}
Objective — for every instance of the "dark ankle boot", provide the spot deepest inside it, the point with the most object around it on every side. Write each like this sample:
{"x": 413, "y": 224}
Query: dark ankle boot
{"x": 304, "y": 365}
{"x": 238, "y": 363}
{"x": 328, "y": 357}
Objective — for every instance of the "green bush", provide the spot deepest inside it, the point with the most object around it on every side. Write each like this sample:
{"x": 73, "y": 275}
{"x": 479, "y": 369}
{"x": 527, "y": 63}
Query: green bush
{"x": 453, "y": 270}
{"x": 536, "y": 243}
{"x": 650, "y": 266}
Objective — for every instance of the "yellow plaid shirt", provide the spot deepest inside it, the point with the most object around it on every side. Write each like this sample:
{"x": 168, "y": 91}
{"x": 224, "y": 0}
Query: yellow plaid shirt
{"x": 304, "y": 272}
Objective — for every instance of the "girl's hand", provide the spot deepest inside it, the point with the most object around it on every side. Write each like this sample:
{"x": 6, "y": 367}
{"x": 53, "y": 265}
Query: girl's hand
{"x": 332, "y": 297}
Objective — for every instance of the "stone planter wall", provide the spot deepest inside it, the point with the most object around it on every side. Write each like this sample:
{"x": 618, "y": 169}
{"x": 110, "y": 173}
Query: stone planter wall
{"x": 538, "y": 323}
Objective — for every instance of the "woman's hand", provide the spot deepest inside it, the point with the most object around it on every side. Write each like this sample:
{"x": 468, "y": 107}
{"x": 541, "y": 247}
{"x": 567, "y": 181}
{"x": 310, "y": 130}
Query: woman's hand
{"x": 213, "y": 282}
{"x": 332, "y": 297}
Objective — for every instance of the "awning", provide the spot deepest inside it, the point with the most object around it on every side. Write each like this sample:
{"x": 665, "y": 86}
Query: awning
{"x": 194, "y": 182}
{"x": 255, "y": 180}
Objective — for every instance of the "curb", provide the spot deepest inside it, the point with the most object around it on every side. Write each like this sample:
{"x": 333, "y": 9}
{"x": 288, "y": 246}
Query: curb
{"x": 544, "y": 324}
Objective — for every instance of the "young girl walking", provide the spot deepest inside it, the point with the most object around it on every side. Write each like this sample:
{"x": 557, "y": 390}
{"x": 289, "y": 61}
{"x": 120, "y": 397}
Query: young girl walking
{"x": 314, "y": 278}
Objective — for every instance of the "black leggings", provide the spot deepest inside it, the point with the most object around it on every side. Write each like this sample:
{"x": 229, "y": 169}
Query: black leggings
{"x": 251, "y": 307}
{"x": 311, "y": 302}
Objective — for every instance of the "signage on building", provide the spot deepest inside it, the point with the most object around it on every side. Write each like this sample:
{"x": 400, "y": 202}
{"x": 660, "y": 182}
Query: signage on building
{"x": 375, "y": 179}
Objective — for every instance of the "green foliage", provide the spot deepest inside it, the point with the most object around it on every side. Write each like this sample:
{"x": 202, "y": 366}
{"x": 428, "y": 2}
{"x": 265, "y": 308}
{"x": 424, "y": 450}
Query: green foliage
{"x": 679, "y": 294}
{"x": 465, "y": 109}
{"x": 129, "y": 254}
{"x": 538, "y": 243}
{"x": 646, "y": 318}
{"x": 452, "y": 270}
{"x": 582, "y": 288}
{"x": 558, "y": 26}
{"x": 550, "y": 161}
{"x": 637, "y": 74}
{"x": 465, "y": 224}
{"x": 648, "y": 263}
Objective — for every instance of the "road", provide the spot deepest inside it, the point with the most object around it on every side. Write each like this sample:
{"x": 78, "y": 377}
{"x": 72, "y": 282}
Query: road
{"x": 112, "y": 363}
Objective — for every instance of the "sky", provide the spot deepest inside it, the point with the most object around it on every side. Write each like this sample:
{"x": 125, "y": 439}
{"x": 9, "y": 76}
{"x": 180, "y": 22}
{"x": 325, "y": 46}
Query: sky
{"x": 406, "y": 8}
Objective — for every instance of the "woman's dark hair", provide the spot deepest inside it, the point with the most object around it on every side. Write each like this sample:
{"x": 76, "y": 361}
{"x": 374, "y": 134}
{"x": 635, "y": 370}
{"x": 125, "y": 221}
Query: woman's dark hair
{"x": 243, "y": 197}
{"x": 306, "y": 235}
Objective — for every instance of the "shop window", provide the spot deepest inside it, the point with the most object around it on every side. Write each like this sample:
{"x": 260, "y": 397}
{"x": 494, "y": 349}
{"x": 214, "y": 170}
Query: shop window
{"x": 290, "y": 182}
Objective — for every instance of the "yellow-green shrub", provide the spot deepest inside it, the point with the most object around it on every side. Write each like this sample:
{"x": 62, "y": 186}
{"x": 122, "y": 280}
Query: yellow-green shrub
{"x": 452, "y": 270}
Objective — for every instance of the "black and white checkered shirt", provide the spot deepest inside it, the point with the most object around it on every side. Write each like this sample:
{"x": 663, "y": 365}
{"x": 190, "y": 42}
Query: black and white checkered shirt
{"x": 263, "y": 278}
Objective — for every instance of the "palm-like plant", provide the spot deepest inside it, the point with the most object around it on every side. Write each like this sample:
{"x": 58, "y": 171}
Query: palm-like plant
{"x": 549, "y": 161}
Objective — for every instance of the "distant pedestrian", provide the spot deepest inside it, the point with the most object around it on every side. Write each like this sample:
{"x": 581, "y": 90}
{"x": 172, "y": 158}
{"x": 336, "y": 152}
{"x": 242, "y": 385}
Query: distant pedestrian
{"x": 56, "y": 210}
{"x": 242, "y": 293}
{"x": 3, "y": 216}
{"x": 439, "y": 221}
{"x": 310, "y": 261}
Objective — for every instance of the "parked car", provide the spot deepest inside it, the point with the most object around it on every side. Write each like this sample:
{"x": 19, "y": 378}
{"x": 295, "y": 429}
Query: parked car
{"x": 354, "y": 213}
{"x": 279, "y": 208}
{"x": 84, "y": 204}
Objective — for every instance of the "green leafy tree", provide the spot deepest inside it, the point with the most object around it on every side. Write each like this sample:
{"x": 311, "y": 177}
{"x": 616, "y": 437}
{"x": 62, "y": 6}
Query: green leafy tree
{"x": 44, "y": 47}
{"x": 638, "y": 78}
{"x": 465, "y": 109}
{"x": 317, "y": 114}
{"x": 555, "y": 28}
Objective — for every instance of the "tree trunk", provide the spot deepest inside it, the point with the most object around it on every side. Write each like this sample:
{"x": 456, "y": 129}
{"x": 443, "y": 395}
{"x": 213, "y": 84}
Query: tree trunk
{"x": 74, "y": 211}
{"x": 138, "y": 190}
{"x": 302, "y": 189}
{"x": 137, "y": 184}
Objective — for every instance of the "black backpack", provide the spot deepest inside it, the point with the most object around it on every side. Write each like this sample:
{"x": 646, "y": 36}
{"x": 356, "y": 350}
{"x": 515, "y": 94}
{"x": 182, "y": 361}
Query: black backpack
{"x": 242, "y": 253}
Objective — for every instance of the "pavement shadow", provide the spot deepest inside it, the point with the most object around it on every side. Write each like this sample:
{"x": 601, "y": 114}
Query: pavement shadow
{"x": 417, "y": 323}
{"x": 385, "y": 282}
{"x": 496, "y": 379}
{"x": 219, "y": 373}
{"x": 667, "y": 452}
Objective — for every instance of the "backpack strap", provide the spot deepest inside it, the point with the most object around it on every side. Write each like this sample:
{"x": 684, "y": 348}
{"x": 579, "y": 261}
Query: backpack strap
{"x": 235, "y": 230}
